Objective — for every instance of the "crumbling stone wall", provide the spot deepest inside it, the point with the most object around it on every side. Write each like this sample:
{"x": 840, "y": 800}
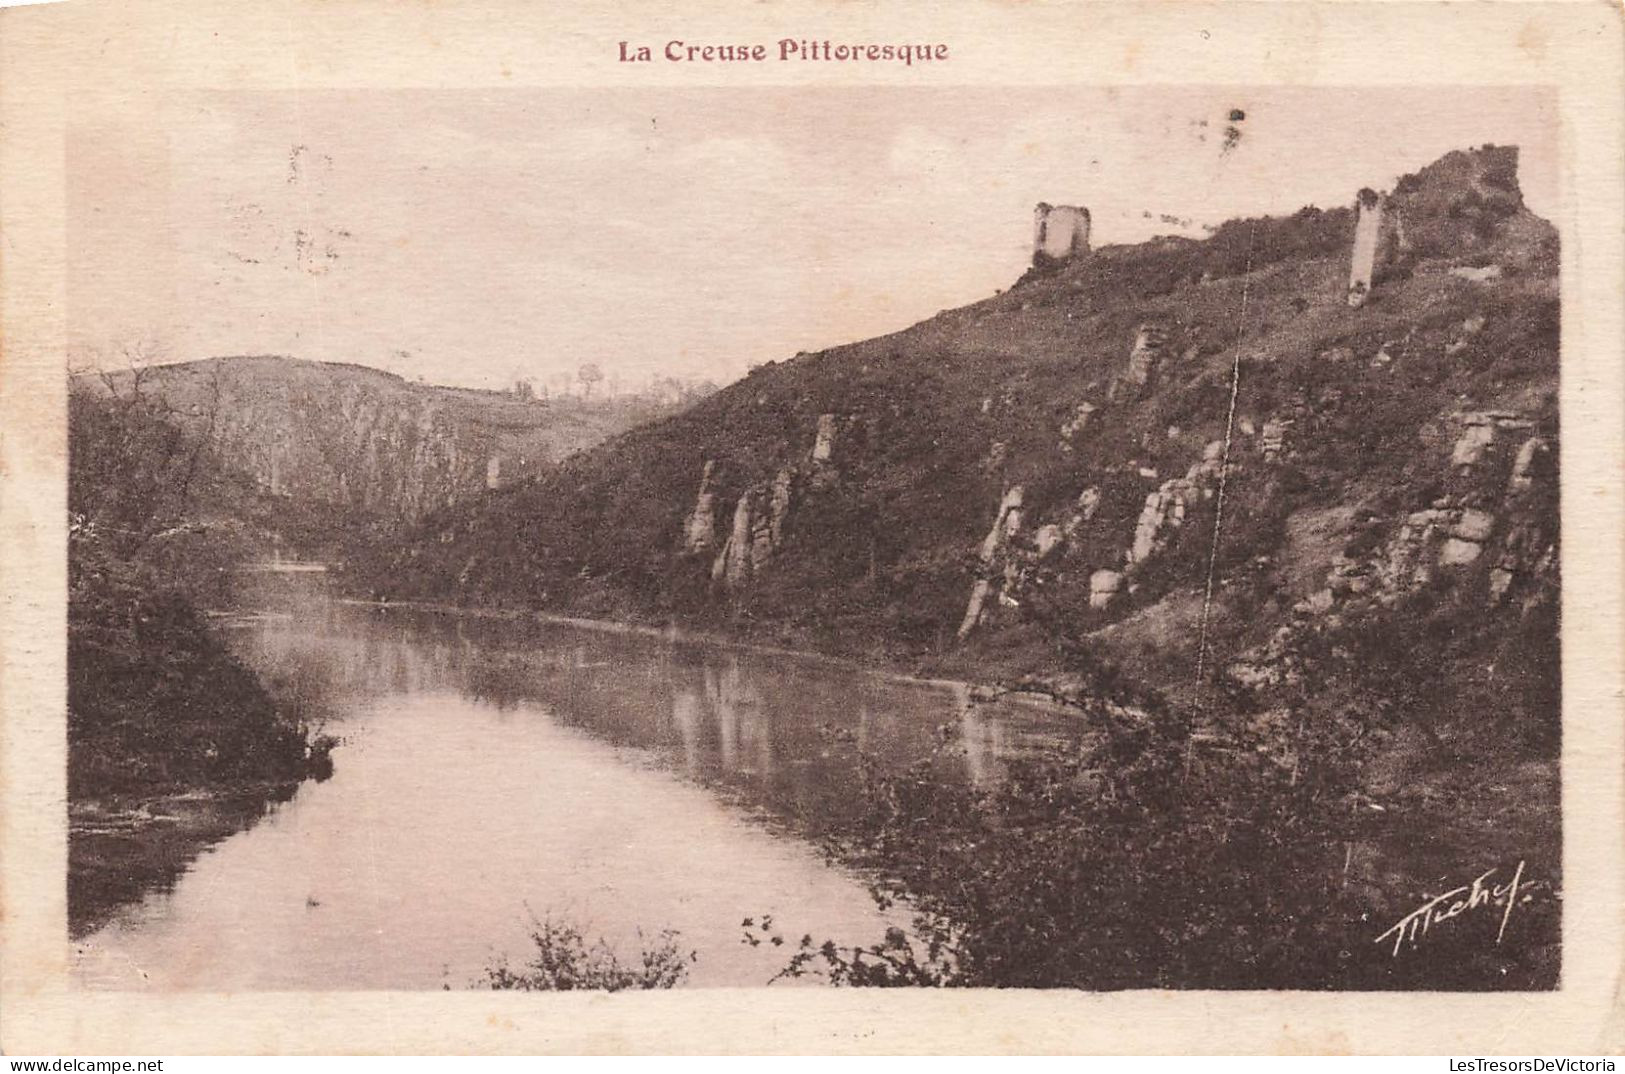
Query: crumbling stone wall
{"x": 1369, "y": 208}
{"x": 1060, "y": 232}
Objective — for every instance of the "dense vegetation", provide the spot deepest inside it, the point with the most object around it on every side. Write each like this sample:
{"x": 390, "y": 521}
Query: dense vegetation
{"x": 157, "y": 704}
{"x": 1165, "y": 857}
{"x": 155, "y": 699}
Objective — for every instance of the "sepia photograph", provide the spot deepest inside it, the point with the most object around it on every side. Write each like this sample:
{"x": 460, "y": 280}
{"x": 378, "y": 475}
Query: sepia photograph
{"x": 621, "y": 540}
{"x": 674, "y": 534}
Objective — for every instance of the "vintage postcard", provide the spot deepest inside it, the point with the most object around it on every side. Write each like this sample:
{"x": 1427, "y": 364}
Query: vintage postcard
{"x": 539, "y": 529}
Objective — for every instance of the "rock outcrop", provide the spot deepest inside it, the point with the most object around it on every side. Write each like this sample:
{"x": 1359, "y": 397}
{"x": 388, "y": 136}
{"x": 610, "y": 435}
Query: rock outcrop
{"x": 735, "y": 562}
{"x": 993, "y": 568}
{"x": 700, "y": 528}
{"x": 1144, "y": 357}
{"x": 761, "y": 513}
{"x": 1165, "y": 508}
{"x": 1103, "y": 587}
{"x": 1479, "y": 431}
{"x": 824, "y": 442}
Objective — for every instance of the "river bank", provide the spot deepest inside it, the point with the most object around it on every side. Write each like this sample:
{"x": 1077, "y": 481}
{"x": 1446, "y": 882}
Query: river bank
{"x": 121, "y": 847}
{"x": 174, "y": 742}
{"x": 972, "y": 686}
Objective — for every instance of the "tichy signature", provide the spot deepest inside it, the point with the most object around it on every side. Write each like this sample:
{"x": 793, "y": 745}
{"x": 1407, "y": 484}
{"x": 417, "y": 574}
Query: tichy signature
{"x": 1441, "y": 908}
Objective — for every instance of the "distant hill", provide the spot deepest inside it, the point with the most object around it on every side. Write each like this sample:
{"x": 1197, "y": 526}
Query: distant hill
{"x": 319, "y": 437}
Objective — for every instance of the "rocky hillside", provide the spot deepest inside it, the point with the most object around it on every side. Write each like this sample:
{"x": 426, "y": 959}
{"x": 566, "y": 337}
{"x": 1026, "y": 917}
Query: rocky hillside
{"x": 1050, "y": 459}
{"x": 1294, "y": 487}
{"x": 368, "y": 443}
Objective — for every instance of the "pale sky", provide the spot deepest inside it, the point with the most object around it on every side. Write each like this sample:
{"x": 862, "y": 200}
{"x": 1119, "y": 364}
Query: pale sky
{"x": 473, "y": 236}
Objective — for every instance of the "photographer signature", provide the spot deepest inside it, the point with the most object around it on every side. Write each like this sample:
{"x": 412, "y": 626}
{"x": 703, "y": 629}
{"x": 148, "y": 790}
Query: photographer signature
{"x": 1441, "y": 908}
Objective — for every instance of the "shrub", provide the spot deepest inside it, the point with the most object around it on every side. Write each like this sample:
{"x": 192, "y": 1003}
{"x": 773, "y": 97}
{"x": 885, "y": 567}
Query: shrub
{"x": 564, "y": 961}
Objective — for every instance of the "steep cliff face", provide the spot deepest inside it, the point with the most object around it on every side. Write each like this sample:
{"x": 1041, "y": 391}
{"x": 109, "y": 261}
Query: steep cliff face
{"x": 368, "y": 443}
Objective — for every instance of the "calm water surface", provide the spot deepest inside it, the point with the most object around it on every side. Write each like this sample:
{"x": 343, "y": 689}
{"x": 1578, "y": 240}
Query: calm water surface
{"x": 494, "y": 769}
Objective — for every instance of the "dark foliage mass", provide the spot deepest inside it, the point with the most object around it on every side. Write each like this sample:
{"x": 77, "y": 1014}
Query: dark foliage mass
{"x": 156, "y": 701}
{"x": 1161, "y": 858}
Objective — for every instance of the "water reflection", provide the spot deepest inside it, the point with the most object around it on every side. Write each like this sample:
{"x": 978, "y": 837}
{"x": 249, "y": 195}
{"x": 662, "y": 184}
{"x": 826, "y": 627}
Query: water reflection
{"x": 626, "y": 780}
{"x": 784, "y": 732}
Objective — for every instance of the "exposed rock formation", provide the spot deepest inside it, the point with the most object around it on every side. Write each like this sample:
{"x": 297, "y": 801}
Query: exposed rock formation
{"x": 1273, "y": 438}
{"x": 1524, "y": 467}
{"x": 1103, "y": 587}
{"x": 734, "y": 563}
{"x": 824, "y": 445}
{"x": 699, "y": 530}
{"x": 1076, "y": 424}
{"x": 1146, "y": 353}
{"x": 1479, "y": 433}
{"x": 760, "y": 514}
{"x": 1165, "y": 508}
{"x": 779, "y": 504}
{"x": 1530, "y": 549}
{"x": 1006, "y": 524}
{"x": 1452, "y": 535}
{"x": 757, "y": 531}
{"x": 1088, "y": 504}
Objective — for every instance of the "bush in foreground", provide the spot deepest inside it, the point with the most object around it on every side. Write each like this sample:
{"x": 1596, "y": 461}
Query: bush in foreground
{"x": 565, "y": 961}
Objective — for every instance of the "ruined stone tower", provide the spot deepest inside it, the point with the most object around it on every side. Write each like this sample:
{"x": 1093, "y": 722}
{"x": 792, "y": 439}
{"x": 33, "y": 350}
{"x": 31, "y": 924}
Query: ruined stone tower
{"x": 1367, "y": 238}
{"x": 1060, "y": 232}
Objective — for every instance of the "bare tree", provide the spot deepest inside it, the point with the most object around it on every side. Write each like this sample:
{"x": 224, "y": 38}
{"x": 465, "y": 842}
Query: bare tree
{"x": 137, "y": 456}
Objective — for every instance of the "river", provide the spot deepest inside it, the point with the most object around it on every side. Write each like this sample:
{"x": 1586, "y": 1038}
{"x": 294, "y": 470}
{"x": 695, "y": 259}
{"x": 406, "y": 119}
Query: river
{"x": 492, "y": 770}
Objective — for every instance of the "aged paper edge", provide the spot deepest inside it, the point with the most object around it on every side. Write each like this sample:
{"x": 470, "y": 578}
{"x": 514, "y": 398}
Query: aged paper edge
{"x": 58, "y": 52}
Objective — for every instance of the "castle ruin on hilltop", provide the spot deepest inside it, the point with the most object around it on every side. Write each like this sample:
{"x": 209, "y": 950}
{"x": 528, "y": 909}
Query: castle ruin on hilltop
{"x": 1469, "y": 188}
{"x": 1060, "y": 232}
